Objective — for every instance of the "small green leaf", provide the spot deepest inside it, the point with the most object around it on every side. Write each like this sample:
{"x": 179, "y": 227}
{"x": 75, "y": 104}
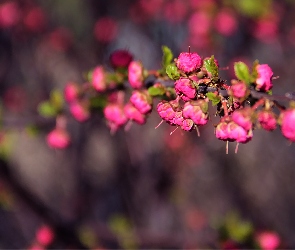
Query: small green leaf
{"x": 167, "y": 56}
{"x": 172, "y": 72}
{"x": 254, "y": 73}
{"x": 155, "y": 91}
{"x": 242, "y": 72}
{"x": 46, "y": 109}
{"x": 215, "y": 99}
{"x": 211, "y": 67}
{"x": 98, "y": 101}
{"x": 56, "y": 99}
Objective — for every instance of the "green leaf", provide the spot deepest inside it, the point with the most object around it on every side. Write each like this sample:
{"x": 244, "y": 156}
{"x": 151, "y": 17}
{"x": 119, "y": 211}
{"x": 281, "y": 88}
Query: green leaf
{"x": 56, "y": 99}
{"x": 254, "y": 73}
{"x": 46, "y": 109}
{"x": 211, "y": 67}
{"x": 98, "y": 101}
{"x": 242, "y": 72}
{"x": 156, "y": 91}
{"x": 167, "y": 56}
{"x": 215, "y": 99}
{"x": 172, "y": 71}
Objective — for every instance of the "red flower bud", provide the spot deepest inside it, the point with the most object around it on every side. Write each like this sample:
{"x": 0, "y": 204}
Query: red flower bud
{"x": 71, "y": 92}
{"x": 185, "y": 89}
{"x": 243, "y": 117}
{"x": 120, "y": 59}
{"x": 195, "y": 111}
{"x": 133, "y": 114}
{"x": 79, "y": 111}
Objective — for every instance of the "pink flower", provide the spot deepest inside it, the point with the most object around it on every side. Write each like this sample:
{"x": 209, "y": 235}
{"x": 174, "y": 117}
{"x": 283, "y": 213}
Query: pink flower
{"x": 114, "y": 113}
{"x": 267, "y": 120}
{"x": 239, "y": 90}
{"x": 287, "y": 118}
{"x": 268, "y": 240}
{"x": 185, "y": 89}
{"x": 238, "y": 133}
{"x": 225, "y": 22}
{"x": 263, "y": 81}
{"x": 98, "y": 79}
{"x": 120, "y": 59}
{"x": 188, "y": 62}
{"x": 79, "y": 111}
{"x": 71, "y": 92}
{"x": 195, "y": 111}
{"x": 243, "y": 117}
{"x": 58, "y": 138}
{"x": 221, "y": 131}
{"x": 187, "y": 124}
{"x": 166, "y": 111}
{"x": 142, "y": 101}
{"x": 178, "y": 118}
{"x": 133, "y": 114}
{"x": 44, "y": 235}
{"x": 135, "y": 74}
{"x": 9, "y": 14}
{"x": 105, "y": 29}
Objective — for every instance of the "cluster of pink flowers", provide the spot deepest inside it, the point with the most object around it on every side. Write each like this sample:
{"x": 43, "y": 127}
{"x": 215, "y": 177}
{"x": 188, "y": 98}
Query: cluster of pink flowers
{"x": 188, "y": 110}
{"x": 196, "y": 83}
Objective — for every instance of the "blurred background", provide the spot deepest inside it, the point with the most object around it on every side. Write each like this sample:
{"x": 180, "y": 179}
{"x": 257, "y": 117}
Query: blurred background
{"x": 143, "y": 188}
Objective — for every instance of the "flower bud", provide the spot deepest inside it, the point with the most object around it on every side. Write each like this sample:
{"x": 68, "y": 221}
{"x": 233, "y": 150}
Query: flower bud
{"x": 58, "y": 138}
{"x": 238, "y": 89}
{"x": 166, "y": 111}
{"x": 142, "y": 101}
{"x": 268, "y": 240}
{"x": 187, "y": 124}
{"x": 44, "y": 235}
{"x": 71, "y": 92}
{"x": 196, "y": 110}
{"x": 135, "y": 74}
{"x": 79, "y": 111}
{"x": 221, "y": 131}
{"x": 287, "y": 119}
{"x": 263, "y": 81}
{"x": 115, "y": 115}
{"x": 238, "y": 133}
{"x": 243, "y": 117}
{"x": 120, "y": 59}
{"x": 267, "y": 120}
{"x": 185, "y": 89}
{"x": 188, "y": 62}
{"x": 98, "y": 80}
{"x": 133, "y": 114}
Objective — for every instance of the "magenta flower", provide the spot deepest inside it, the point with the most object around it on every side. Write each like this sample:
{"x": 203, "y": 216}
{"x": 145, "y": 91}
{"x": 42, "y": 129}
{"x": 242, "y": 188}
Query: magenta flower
{"x": 287, "y": 118}
{"x": 268, "y": 240}
{"x": 142, "y": 101}
{"x": 58, "y": 138}
{"x": 267, "y": 120}
{"x": 263, "y": 81}
{"x": 120, "y": 59}
{"x": 178, "y": 118}
{"x": 45, "y": 235}
{"x": 187, "y": 124}
{"x": 166, "y": 111}
{"x": 114, "y": 114}
{"x": 188, "y": 62}
{"x": 221, "y": 131}
{"x": 133, "y": 114}
{"x": 239, "y": 90}
{"x": 243, "y": 117}
{"x": 98, "y": 79}
{"x": 71, "y": 92}
{"x": 238, "y": 133}
{"x": 79, "y": 111}
{"x": 135, "y": 74}
{"x": 185, "y": 89}
{"x": 196, "y": 111}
